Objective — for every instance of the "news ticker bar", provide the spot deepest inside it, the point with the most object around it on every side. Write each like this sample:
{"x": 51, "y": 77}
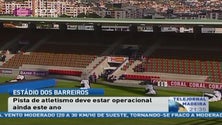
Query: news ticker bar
{"x": 107, "y": 104}
{"x": 109, "y": 115}
{"x": 56, "y": 92}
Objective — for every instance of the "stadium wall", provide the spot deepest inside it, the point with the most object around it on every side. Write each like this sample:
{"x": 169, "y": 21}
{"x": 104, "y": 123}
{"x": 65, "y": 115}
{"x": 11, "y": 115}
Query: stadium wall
{"x": 29, "y": 74}
{"x": 33, "y": 84}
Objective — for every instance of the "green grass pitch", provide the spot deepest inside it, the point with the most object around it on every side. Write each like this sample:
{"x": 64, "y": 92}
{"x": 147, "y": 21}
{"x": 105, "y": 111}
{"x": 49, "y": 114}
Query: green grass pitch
{"x": 114, "y": 91}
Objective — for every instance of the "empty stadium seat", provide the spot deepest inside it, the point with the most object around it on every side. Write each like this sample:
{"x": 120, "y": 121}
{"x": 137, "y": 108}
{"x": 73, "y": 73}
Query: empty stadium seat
{"x": 65, "y": 72}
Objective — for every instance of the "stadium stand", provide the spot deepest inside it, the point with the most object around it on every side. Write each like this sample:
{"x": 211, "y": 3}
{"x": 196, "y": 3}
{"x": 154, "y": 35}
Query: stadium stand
{"x": 26, "y": 41}
{"x": 183, "y": 54}
{"x": 134, "y": 45}
{"x": 7, "y": 36}
{"x": 63, "y": 50}
{"x": 185, "y": 57}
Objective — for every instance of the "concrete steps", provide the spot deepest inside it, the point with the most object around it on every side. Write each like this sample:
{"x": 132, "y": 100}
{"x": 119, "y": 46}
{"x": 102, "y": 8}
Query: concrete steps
{"x": 134, "y": 64}
{"x": 8, "y": 57}
{"x": 99, "y": 68}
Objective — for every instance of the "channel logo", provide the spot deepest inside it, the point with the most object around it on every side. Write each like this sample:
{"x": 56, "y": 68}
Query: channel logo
{"x": 175, "y": 106}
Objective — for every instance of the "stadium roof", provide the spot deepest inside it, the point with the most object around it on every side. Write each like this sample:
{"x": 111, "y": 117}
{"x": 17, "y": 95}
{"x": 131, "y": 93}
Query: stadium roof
{"x": 114, "y": 21}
